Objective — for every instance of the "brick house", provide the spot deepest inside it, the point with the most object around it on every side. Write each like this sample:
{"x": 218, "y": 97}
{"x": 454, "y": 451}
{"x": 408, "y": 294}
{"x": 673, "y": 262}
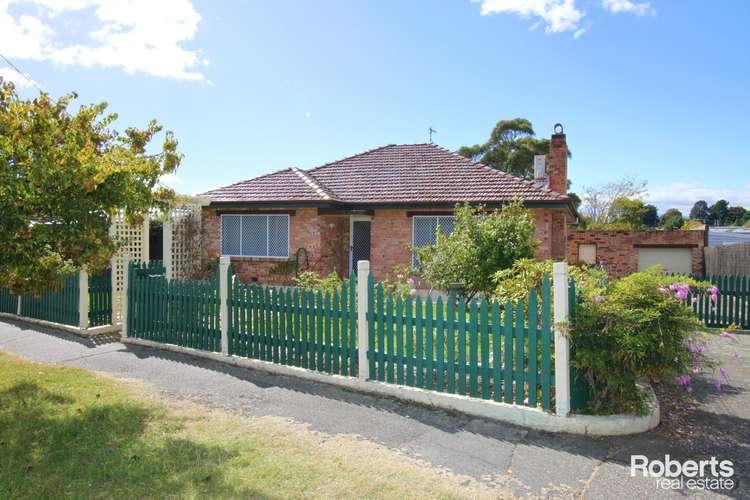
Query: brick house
{"x": 376, "y": 205}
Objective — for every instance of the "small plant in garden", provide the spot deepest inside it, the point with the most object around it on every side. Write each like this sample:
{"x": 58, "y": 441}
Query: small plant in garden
{"x": 639, "y": 327}
{"x": 401, "y": 282}
{"x": 310, "y": 280}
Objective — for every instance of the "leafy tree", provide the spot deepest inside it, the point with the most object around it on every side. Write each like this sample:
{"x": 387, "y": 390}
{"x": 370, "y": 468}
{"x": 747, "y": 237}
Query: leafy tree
{"x": 510, "y": 148}
{"x": 672, "y": 219}
{"x": 628, "y": 213}
{"x": 651, "y": 217}
{"x": 63, "y": 176}
{"x": 597, "y": 201}
{"x": 736, "y": 216}
{"x": 717, "y": 213}
{"x": 482, "y": 243}
{"x": 699, "y": 210}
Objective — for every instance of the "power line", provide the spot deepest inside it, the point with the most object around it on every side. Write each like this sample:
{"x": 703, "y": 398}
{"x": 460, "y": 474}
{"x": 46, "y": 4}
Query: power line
{"x": 21, "y": 73}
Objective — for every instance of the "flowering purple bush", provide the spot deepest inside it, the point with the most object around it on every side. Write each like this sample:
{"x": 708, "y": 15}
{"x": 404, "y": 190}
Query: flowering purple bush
{"x": 640, "y": 327}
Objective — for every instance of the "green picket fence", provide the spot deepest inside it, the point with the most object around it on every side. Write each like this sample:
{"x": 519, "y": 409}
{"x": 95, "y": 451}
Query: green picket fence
{"x": 184, "y": 313}
{"x": 100, "y": 299}
{"x": 732, "y": 305}
{"x": 8, "y": 302}
{"x": 482, "y": 348}
{"x": 56, "y": 304}
{"x": 312, "y": 330}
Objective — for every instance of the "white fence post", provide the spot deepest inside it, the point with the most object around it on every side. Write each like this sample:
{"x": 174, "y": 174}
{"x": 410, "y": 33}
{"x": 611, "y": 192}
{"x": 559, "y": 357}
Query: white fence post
{"x": 224, "y": 303}
{"x": 167, "y": 230}
{"x": 363, "y": 273}
{"x": 18, "y": 305}
{"x": 562, "y": 347}
{"x": 83, "y": 300}
{"x": 124, "y": 298}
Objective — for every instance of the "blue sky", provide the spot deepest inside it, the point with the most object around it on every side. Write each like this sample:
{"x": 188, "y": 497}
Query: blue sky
{"x": 656, "y": 90}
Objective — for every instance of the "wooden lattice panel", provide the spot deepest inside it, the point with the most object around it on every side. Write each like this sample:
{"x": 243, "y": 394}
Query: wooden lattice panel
{"x": 186, "y": 240}
{"x": 133, "y": 239}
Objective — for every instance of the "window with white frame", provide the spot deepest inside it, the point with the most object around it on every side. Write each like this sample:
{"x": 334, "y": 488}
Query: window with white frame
{"x": 425, "y": 228}
{"x": 255, "y": 235}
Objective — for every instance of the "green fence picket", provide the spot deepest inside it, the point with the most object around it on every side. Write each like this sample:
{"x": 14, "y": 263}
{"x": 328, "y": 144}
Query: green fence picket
{"x": 546, "y": 339}
{"x": 484, "y": 342}
{"x": 520, "y": 338}
{"x": 461, "y": 313}
{"x": 439, "y": 346}
{"x": 497, "y": 364}
{"x": 450, "y": 347}
{"x": 533, "y": 348}
{"x": 388, "y": 346}
{"x": 399, "y": 340}
{"x": 418, "y": 342}
{"x": 508, "y": 353}
{"x": 409, "y": 334}
{"x": 473, "y": 349}
{"x": 429, "y": 350}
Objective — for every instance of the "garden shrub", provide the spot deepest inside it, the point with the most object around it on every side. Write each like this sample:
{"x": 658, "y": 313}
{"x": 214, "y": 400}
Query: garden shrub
{"x": 515, "y": 282}
{"x": 639, "y": 327}
{"x": 482, "y": 243}
{"x": 312, "y": 281}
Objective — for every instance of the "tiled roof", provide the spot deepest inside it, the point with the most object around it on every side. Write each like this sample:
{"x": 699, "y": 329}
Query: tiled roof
{"x": 284, "y": 185}
{"x": 412, "y": 173}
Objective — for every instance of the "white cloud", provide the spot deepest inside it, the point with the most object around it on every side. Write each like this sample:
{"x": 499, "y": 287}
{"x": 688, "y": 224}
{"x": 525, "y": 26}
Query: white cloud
{"x": 137, "y": 36}
{"x": 558, "y": 15}
{"x": 10, "y": 75}
{"x": 637, "y": 8}
{"x": 682, "y": 195}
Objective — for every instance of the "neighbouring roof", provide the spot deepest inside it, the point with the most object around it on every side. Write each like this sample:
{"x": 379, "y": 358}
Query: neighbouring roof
{"x": 728, "y": 235}
{"x": 393, "y": 174}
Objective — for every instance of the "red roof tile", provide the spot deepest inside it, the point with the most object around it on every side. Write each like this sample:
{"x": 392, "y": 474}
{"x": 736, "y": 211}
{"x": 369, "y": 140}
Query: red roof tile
{"x": 412, "y": 173}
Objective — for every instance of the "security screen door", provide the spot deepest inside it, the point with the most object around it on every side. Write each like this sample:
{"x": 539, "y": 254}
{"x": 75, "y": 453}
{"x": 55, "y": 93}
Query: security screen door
{"x": 360, "y": 243}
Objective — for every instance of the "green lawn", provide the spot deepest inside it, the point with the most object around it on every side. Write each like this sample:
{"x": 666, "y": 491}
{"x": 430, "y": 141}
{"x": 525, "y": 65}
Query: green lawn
{"x": 70, "y": 433}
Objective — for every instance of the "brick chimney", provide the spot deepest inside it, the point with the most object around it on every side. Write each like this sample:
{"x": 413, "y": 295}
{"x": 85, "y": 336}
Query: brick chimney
{"x": 557, "y": 163}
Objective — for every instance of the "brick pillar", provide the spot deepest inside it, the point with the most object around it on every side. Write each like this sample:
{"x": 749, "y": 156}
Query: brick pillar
{"x": 557, "y": 168}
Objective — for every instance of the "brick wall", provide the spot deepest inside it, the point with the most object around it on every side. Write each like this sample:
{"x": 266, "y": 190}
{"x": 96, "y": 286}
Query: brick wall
{"x": 618, "y": 250}
{"x": 305, "y": 231}
{"x": 326, "y": 239}
{"x": 557, "y": 168}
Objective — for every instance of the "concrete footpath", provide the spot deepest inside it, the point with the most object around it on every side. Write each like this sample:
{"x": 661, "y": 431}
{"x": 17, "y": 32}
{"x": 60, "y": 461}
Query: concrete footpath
{"x": 530, "y": 462}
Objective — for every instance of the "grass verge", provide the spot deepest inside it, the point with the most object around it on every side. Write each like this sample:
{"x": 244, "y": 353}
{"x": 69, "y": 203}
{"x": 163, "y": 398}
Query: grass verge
{"x": 67, "y": 432}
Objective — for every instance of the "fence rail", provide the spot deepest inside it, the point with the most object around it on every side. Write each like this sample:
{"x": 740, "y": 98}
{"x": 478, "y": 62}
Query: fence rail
{"x": 56, "y": 304}
{"x": 304, "y": 328}
{"x": 732, "y": 305}
{"x": 481, "y": 349}
{"x": 179, "y": 312}
{"x": 100, "y": 299}
{"x": 8, "y": 302}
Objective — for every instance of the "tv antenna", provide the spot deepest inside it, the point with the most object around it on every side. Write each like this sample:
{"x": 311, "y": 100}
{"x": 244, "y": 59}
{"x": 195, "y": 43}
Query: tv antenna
{"x": 431, "y": 131}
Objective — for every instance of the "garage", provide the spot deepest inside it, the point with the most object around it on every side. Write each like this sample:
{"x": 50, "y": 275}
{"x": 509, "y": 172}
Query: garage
{"x": 671, "y": 260}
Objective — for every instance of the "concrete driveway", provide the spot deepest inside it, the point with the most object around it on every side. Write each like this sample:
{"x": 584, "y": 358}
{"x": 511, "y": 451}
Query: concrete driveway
{"x": 530, "y": 462}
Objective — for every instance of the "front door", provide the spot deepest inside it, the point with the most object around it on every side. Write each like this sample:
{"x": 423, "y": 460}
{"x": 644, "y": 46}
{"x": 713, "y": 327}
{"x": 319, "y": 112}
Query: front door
{"x": 359, "y": 237}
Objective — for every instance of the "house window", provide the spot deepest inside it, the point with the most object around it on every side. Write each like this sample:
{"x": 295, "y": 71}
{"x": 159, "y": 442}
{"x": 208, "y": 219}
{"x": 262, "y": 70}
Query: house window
{"x": 255, "y": 235}
{"x": 425, "y": 228}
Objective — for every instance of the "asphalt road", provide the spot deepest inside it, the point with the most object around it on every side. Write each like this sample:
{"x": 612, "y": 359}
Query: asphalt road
{"x": 530, "y": 462}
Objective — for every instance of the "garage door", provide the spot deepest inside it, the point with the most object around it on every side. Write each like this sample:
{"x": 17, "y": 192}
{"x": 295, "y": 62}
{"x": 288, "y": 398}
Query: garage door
{"x": 671, "y": 260}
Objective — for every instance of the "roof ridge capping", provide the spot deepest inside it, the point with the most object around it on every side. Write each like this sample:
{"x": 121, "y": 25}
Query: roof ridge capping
{"x": 311, "y": 182}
